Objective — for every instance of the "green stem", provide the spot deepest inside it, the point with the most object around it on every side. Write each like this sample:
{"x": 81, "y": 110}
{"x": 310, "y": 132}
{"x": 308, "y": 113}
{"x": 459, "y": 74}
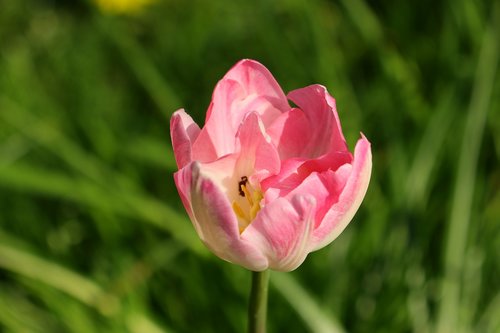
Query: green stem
{"x": 257, "y": 308}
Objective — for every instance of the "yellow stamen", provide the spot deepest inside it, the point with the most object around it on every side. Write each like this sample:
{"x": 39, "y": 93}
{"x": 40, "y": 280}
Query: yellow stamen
{"x": 239, "y": 212}
{"x": 254, "y": 209}
{"x": 246, "y": 214}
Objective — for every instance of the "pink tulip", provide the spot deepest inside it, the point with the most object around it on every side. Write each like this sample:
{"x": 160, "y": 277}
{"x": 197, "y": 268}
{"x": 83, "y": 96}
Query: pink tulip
{"x": 265, "y": 183}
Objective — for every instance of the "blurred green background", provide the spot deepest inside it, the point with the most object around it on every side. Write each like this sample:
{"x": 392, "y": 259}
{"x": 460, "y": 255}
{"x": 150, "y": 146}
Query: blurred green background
{"x": 93, "y": 237}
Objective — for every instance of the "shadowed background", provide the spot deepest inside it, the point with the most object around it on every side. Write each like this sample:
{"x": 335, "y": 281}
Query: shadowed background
{"x": 93, "y": 237}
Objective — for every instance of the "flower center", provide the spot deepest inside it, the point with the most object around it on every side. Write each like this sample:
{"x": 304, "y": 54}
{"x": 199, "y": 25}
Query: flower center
{"x": 246, "y": 210}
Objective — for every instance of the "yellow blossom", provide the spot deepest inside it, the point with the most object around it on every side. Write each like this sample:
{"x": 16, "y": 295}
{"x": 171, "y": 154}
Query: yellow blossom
{"x": 122, "y": 6}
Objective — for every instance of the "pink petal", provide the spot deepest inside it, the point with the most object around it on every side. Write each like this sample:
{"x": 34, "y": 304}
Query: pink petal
{"x": 325, "y": 187}
{"x": 215, "y": 220}
{"x": 258, "y": 156}
{"x": 183, "y": 132}
{"x": 284, "y": 182}
{"x": 330, "y": 161}
{"x": 342, "y": 212}
{"x": 247, "y": 87}
{"x": 257, "y": 80}
{"x": 288, "y": 132}
{"x": 325, "y": 133}
{"x": 282, "y": 230}
{"x": 183, "y": 179}
{"x": 220, "y": 128}
{"x": 294, "y": 171}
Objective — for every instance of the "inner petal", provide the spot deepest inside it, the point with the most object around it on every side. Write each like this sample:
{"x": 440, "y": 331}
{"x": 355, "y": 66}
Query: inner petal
{"x": 258, "y": 157}
{"x": 288, "y": 132}
{"x": 321, "y": 121}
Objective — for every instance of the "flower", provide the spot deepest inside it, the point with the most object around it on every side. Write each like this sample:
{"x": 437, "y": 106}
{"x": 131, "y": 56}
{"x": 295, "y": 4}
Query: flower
{"x": 264, "y": 183}
{"x": 122, "y": 6}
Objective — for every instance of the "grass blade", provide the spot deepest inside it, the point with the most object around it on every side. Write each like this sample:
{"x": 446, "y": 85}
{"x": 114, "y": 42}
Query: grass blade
{"x": 304, "y": 304}
{"x": 466, "y": 178}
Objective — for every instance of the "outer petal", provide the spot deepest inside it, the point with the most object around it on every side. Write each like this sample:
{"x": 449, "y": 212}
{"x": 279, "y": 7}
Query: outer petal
{"x": 247, "y": 87}
{"x": 214, "y": 219}
{"x": 183, "y": 132}
{"x": 325, "y": 187}
{"x": 256, "y": 80}
{"x": 282, "y": 230}
{"x": 342, "y": 212}
{"x": 323, "y": 122}
{"x": 183, "y": 179}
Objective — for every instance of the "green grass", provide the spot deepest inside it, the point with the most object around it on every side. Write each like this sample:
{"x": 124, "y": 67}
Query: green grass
{"x": 93, "y": 237}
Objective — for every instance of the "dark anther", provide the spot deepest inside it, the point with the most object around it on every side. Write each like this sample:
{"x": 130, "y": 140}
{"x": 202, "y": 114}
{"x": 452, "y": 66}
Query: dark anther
{"x": 243, "y": 182}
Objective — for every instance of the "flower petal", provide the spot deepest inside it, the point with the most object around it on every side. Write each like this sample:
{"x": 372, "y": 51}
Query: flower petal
{"x": 284, "y": 182}
{"x": 323, "y": 121}
{"x": 282, "y": 230}
{"x": 183, "y": 179}
{"x": 294, "y": 171}
{"x": 288, "y": 132}
{"x": 215, "y": 220}
{"x": 256, "y": 80}
{"x": 342, "y": 212}
{"x": 325, "y": 187}
{"x": 183, "y": 132}
{"x": 247, "y": 87}
{"x": 258, "y": 156}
